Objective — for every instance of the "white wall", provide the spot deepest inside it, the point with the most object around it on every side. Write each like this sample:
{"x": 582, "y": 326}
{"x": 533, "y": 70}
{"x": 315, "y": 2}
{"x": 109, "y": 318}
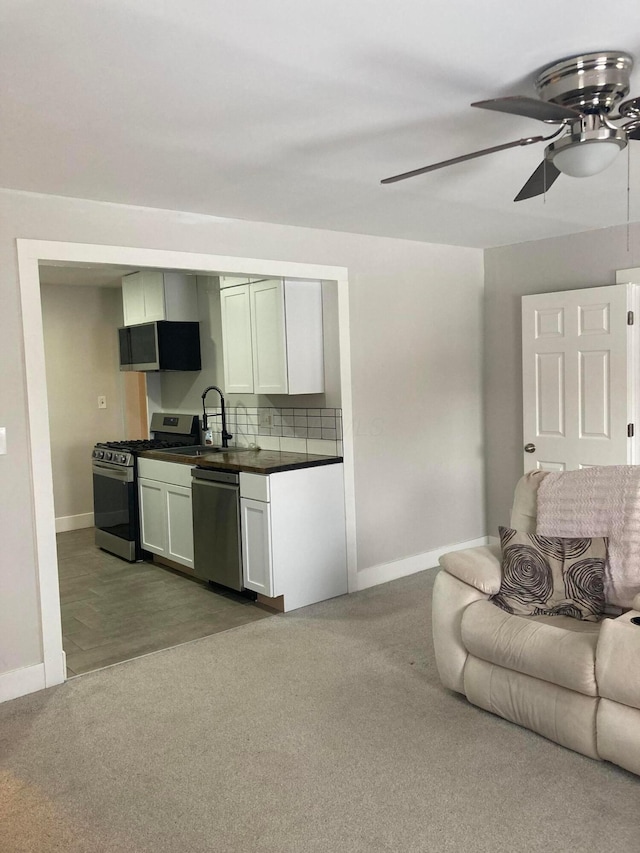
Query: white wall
{"x": 80, "y": 336}
{"x": 416, "y": 375}
{"x": 565, "y": 263}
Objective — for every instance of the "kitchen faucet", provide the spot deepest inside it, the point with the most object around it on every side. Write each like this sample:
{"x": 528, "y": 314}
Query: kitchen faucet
{"x": 225, "y": 435}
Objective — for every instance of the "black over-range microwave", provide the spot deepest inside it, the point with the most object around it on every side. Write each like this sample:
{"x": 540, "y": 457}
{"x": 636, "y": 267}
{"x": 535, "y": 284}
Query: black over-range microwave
{"x": 164, "y": 345}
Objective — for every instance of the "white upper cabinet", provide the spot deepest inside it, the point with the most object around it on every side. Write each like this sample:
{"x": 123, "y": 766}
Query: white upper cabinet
{"x": 235, "y": 304}
{"x": 268, "y": 337}
{"x": 272, "y": 337}
{"x": 148, "y": 296}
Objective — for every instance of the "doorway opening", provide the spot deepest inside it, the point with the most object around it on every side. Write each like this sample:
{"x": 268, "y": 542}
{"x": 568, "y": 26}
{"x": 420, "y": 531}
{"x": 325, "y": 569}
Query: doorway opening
{"x": 34, "y": 254}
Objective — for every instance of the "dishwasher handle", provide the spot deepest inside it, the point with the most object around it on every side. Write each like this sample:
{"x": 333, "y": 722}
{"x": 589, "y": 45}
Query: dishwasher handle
{"x": 221, "y": 477}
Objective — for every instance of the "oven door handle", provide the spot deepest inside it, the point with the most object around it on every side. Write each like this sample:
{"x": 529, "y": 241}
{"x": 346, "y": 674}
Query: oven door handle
{"x": 125, "y": 475}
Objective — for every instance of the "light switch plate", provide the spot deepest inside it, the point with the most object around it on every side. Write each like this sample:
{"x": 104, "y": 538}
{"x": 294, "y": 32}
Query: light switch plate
{"x": 102, "y": 402}
{"x": 3, "y": 441}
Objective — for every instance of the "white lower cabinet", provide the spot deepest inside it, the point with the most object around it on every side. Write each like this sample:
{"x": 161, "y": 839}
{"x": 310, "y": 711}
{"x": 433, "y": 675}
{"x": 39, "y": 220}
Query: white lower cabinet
{"x": 166, "y": 527}
{"x": 179, "y": 524}
{"x": 257, "y": 565}
{"x": 152, "y": 515}
{"x": 293, "y": 534}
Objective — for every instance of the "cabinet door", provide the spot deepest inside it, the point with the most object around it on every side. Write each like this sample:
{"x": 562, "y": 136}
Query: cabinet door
{"x": 179, "y": 525}
{"x": 236, "y": 339}
{"x": 305, "y": 343}
{"x": 257, "y": 564}
{"x": 153, "y": 288}
{"x": 232, "y": 280}
{"x": 152, "y": 515}
{"x": 268, "y": 337}
{"x": 133, "y": 299}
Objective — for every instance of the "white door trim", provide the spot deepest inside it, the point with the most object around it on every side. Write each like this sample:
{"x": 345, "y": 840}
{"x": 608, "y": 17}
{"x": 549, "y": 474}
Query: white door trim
{"x": 632, "y": 277}
{"x": 30, "y": 252}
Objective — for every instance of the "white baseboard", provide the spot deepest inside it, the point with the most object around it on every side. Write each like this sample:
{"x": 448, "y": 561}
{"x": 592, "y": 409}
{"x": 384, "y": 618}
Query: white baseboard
{"x": 19, "y": 682}
{"x": 74, "y": 522}
{"x": 375, "y": 575}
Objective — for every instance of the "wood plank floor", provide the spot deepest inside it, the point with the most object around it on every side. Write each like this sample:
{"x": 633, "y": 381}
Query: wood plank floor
{"x": 113, "y": 610}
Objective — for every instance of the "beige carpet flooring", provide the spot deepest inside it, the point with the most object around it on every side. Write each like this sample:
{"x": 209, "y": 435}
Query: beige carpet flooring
{"x": 324, "y": 730}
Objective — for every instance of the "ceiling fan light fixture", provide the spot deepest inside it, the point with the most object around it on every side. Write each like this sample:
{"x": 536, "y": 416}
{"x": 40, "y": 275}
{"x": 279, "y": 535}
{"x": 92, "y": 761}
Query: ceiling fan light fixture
{"x": 583, "y": 159}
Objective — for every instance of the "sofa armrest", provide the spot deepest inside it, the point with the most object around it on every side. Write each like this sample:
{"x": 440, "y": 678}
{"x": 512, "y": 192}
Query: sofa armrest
{"x": 477, "y": 567}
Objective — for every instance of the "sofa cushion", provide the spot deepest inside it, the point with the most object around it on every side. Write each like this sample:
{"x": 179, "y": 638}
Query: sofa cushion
{"x": 557, "y": 649}
{"x": 564, "y": 716}
{"x": 619, "y": 660}
{"x": 551, "y": 575}
{"x": 479, "y": 567}
{"x": 525, "y": 501}
{"x": 451, "y": 597}
{"x": 618, "y": 728}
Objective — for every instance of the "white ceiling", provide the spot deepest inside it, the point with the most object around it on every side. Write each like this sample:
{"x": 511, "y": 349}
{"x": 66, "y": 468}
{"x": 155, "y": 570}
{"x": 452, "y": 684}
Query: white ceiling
{"x": 97, "y": 275}
{"x": 291, "y": 112}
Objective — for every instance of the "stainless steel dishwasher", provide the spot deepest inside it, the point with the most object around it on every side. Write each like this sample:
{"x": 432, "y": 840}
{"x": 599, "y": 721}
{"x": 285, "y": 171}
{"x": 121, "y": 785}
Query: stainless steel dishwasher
{"x": 217, "y": 553}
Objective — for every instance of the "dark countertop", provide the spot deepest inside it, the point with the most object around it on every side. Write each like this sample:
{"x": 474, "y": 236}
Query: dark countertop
{"x": 248, "y": 461}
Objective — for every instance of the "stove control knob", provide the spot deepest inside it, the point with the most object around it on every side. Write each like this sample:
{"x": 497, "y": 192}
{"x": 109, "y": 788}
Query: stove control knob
{"x": 99, "y": 454}
{"x": 108, "y": 455}
{"x": 122, "y": 457}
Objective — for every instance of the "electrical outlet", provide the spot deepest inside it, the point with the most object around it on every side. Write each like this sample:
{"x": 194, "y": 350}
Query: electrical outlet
{"x": 102, "y": 402}
{"x": 265, "y": 419}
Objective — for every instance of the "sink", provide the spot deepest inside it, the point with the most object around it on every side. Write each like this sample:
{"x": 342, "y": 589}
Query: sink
{"x": 201, "y": 450}
{"x": 194, "y": 450}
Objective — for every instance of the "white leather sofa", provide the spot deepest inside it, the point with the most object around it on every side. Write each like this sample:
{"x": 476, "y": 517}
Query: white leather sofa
{"x": 577, "y": 683}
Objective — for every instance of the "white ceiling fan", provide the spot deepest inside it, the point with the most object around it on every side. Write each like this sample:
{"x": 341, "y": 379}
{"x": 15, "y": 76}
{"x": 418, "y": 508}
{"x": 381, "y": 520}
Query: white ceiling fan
{"x": 582, "y": 94}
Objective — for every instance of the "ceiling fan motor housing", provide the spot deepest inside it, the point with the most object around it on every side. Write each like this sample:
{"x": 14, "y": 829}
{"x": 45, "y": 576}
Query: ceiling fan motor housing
{"x": 588, "y": 83}
{"x": 577, "y": 155}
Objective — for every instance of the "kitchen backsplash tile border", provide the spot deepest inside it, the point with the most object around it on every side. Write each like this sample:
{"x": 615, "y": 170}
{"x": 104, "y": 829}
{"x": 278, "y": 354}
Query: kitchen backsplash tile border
{"x": 317, "y": 431}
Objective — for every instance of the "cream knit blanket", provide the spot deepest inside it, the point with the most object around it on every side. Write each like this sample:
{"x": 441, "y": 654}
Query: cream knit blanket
{"x": 598, "y": 501}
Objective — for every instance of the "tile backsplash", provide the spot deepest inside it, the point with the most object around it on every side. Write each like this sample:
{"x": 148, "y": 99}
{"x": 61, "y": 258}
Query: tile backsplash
{"x": 271, "y": 428}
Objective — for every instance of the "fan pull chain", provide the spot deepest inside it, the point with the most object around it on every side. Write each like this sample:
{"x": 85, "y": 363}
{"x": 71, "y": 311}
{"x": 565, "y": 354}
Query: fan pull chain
{"x": 628, "y": 193}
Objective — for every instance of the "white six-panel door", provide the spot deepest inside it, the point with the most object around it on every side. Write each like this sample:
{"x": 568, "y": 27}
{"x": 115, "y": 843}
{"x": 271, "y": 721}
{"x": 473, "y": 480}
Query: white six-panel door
{"x": 577, "y": 369}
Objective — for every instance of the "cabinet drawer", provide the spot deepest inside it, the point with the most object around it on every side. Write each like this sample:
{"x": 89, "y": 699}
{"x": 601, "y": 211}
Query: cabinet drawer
{"x": 254, "y": 486}
{"x": 166, "y": 472}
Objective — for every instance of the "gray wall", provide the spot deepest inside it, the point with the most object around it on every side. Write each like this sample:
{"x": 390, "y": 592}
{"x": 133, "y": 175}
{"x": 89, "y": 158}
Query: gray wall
{"x": 582, "y": 260}
{"x": 416, "y": 374}
{"x": 81, "y": 354}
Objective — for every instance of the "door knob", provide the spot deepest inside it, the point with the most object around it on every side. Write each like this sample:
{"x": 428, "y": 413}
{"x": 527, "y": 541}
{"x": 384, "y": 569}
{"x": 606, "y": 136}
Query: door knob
{"x": 529, "y": 448}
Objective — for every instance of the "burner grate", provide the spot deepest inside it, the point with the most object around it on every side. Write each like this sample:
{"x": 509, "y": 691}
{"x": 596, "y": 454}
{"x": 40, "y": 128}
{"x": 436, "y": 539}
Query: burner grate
{"x": 140, "y": 444}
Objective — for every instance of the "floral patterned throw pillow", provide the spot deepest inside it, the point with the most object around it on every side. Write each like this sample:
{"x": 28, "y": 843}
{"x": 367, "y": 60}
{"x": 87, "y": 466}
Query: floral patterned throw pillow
{"x": 551, "y": 576}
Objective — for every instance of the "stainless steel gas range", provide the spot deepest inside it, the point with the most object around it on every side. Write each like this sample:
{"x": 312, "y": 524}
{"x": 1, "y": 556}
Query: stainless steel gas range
{"x": 115, "y": 481}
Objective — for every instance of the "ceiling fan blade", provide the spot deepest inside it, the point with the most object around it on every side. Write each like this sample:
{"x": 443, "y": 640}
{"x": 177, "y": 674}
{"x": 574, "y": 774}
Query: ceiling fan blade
{"x": 540, "y": 181}
{"x": 633, "y": 131}
{"x": 526, "y": 141}
{"x": 530, "y": 107}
